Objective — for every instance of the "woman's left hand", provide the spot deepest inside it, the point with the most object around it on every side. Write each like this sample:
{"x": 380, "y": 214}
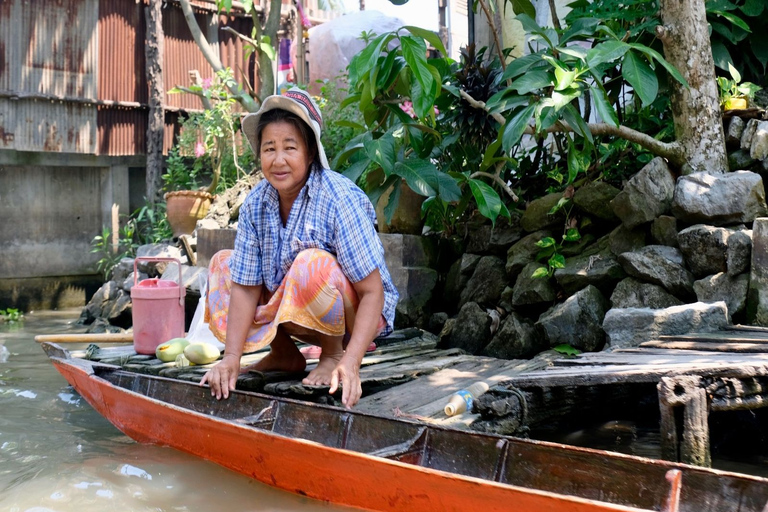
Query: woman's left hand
{"x": 347, "y": 373}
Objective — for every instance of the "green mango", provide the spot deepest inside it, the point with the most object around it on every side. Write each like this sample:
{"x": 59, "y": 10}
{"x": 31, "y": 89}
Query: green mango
{"x": 168, "y": 351}
{"x": 201, "y": 353}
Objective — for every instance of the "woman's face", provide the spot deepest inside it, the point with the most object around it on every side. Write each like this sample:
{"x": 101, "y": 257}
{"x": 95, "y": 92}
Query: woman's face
{"x": 285, "y": 159}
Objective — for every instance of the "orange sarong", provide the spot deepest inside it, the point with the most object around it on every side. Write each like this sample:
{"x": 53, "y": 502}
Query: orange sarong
{"x": 315, "y": 294}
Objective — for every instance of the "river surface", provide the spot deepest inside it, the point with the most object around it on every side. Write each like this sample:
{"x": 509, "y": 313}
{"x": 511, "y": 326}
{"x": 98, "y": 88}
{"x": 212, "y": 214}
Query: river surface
{"x": 58, "y": 455}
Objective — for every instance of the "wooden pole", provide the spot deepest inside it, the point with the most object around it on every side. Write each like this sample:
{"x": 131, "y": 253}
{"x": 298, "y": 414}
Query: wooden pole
{"x": 688, "y": 392}
{"x": 106, "y": 337}
{"x": 153, "y": 49}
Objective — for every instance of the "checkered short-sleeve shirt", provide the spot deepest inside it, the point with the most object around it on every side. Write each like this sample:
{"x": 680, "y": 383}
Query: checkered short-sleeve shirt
{"x": 330, "y": 213}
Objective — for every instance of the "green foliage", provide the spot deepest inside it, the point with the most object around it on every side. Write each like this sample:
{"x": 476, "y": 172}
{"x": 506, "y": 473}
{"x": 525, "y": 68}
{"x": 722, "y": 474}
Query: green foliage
{"x": 11, "y": 315}
{"x": 567, "y": 350}
{"x": 341, "y": 122}
{"x": 734, "y": 88}
{"x": 739, "y": 36}
{"x": 111, "y": 255}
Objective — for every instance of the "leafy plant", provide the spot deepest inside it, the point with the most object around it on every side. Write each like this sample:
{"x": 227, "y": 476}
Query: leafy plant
{"x": 734, "y": 88}
{"x": 567, "y": 350}
{"x": 110, "y": 255}
{"x": 11, "y": 315}
{"x": 340, "y": 121}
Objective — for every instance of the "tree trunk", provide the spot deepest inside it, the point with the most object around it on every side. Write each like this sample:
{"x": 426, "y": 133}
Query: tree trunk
{"x": 696, "y": 110}
{"x": 266, "y": 71}
{"x": 156, "y": 125}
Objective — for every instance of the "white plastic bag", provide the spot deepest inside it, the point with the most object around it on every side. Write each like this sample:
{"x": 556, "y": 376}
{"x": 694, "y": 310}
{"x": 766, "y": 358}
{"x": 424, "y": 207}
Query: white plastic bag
{"x": 199, "y": 332}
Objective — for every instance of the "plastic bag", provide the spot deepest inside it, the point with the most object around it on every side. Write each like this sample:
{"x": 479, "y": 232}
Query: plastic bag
{"x": 199, "y": 332}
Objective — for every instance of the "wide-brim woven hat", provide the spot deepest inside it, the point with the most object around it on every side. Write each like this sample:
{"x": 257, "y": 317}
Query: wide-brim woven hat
{"x": 296, "y": 101}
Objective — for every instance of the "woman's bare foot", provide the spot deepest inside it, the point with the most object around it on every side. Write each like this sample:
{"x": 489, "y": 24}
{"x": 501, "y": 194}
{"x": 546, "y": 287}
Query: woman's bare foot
{"x": 321, "y": 375}
{"x": 284, "y": 356}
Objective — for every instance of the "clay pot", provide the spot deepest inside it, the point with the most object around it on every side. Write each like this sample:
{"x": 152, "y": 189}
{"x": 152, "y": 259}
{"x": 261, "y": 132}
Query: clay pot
{"x": 736, "y": 104}
{"x": 184, "y": 208}
{"x": 407, "y": 217}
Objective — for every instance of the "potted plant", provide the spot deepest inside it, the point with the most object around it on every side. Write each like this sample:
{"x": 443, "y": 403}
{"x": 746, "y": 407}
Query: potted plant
{"x": 208, "y": 148}
{"x": 735, "y": 94}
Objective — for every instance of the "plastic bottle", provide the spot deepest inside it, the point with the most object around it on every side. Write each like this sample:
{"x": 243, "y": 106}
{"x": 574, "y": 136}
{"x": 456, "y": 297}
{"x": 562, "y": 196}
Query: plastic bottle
{"x": 462, "y": 400}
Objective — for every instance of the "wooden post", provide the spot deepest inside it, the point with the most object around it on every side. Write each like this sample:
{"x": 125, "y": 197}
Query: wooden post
{"x": 688, "y": 392}
{"x": 153, "y": 49}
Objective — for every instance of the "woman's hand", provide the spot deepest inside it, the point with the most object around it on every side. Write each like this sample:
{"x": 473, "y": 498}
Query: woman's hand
{"x": 347, "y": 373}
{"x": 223, "y": 376}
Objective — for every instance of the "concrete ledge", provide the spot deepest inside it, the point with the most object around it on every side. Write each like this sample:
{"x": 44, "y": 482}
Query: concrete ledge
{"x": 37, "y": 293}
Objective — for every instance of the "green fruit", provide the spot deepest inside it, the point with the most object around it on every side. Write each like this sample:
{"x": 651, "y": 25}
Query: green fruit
{"x": 168, "y": 351}
{"x": 201, "y": 353}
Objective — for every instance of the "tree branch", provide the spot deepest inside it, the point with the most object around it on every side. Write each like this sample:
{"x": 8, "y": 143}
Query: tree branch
{"x": 672, "y": 151}
{"x": 211, "y": 56}
{"x": 495, "y": 34}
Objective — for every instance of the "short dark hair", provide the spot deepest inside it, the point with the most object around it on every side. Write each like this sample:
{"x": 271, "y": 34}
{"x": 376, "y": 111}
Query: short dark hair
{"x": 279, "y": 115}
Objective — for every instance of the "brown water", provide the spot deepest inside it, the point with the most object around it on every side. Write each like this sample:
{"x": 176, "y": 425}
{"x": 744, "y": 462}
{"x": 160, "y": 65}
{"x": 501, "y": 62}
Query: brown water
{"x": 57, "y": 454}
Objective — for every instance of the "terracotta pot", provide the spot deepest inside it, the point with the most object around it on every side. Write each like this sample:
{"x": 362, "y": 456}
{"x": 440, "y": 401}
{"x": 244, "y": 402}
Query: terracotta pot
{"x": 407, "y": 217}
{"x": 736, "y": 104}
{"x": 185, "y": 208}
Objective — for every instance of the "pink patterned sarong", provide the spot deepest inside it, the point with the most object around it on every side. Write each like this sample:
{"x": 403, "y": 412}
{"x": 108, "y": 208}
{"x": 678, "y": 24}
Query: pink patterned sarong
{"x": 315, "y": 294}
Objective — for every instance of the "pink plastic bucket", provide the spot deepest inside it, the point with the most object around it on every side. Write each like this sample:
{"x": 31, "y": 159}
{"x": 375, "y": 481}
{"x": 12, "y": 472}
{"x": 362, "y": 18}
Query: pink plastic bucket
{"x": 158, "y": 309}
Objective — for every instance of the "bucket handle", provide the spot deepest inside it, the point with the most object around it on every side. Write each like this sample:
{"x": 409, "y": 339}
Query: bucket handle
{"x": 157, "y": 258}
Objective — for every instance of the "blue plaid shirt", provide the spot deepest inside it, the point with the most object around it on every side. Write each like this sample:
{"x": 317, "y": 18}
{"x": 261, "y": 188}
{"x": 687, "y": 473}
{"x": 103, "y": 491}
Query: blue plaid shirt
{"x": 330, "y": 213}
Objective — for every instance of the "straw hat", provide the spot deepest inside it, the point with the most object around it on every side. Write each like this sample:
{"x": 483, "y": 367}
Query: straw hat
{"x": 296, "y": 101}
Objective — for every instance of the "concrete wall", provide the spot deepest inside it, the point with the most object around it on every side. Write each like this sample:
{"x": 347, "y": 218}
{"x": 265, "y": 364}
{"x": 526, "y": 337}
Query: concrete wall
{"x": 51, "y": 206}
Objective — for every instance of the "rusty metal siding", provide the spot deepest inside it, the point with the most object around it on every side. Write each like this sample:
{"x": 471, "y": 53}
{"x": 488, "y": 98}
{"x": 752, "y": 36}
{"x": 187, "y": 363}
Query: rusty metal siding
{"x": 121, "y": 31}
{"x": 58, "y": 47}
{"x": 121, "y": 131}
{"x": 181, "y": 56}
{"x": 48, "y": 126}
{"x": 10, "y": 44}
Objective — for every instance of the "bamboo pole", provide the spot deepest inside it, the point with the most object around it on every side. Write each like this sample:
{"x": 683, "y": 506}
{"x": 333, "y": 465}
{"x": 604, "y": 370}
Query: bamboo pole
{"x": 107, "y": 337}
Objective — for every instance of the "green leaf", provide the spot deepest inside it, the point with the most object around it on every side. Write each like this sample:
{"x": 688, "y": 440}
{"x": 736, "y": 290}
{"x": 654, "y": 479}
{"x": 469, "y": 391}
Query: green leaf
{"x": 267, "y": 50}
{"x": 488, "y": 201}
{"x": 753, "y": 7}
{"x": 430, "y": 36}
{"x": 564, "y": 78}
{"x": 580, "y": 27}
{"x": 415, "y": 180}
{"x": 572, "y": 235}
{"x": 733, "y": 19}
{"x": 415, "y": 54}
{"x": 425, "y": 179}
{"x": 545, "y": 242}
{"x": 603, "y": 106}
{"x": 653, "y": 54}
{"x": 523, "y": 7}
{"x": 394, "y": 198}
{"x": 561, "y": 99}
{"x": 504, "y": 100}
{"x": 641, "y": 77}
{"x": 349, "y": 124}
{"x": 354, "y": 171}
{"x": 607, "y": 51}
{"x": 556, "y": 261}
{"x": 540, "y": 273}
{"x": 567, "y": 350}
{"x": 573, "y": 118}
{"x": 362, "y": 63}
{"x": 515, "y": 127}
{"x": 532, "y": 81}
{"x": 528, "y": 22}
{"x": 382, "y": 151}
{"x": 521, "y": 64}
{"x": 734, "y": 73}
{"x": 577, "y": 52}
{"x": 560, "y": 203}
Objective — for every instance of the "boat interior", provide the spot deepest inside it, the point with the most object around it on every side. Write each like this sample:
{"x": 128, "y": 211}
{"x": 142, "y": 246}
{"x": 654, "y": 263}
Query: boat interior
{"x": 586, "y": 473}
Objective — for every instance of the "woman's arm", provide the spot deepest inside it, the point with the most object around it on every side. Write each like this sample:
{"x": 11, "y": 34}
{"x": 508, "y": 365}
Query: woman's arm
{"x": 370, "y": 291}
{"x": 242, "y": 308}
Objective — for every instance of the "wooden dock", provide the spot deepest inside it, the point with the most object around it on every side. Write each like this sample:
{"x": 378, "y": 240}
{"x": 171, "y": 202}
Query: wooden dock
{"x": 407, "y": 375}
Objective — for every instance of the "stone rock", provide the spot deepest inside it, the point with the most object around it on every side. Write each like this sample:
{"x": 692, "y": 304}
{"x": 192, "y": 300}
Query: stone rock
{"x": 624, "y": 240}
{"x": 759, "y": 147}
{"x": 577, "y": 321}
{"x": 660, "y": 265}
{"x": 95, "y": 307}
{"x": 570, "y": 249}
{"x": 646, "y": 195}
{"x": 537, "y": 217}
{"x": 408, "y": 250}
{"x": 629, "y": 327}
{"x": 471, "y": 330}
{"x": 740, "y": 160}
{"x": 529, "y": 290}
{"x": 487, "y": 282}
{"x": 757, "y": 296}
{"x": 524, "y": 252}
{"x": 101, "y": 326}
{"x": 515, "y": 339}
{"x": 128, "y": 283}
{"x": 722, "y": 287}
{"x": 121, "y": 272}
{"x": 719, "y": 199}
{"x": 664, "y": 231}
{"x": 225, "y": 209}
{"x": 458, "y": 277}
{"x": 437, "y": 321}
{"x": 415, "y": 286}
{"x": 748, "y": 133}
{"x": 631, "y": 293}
{"x": 600, "y": 270}
{"x": 486, "y": 239}
{"x": 735, "y": 130}
{"x": 191, "y": 277}
{"x": 595, "y": 198}
{"x": 505, "y": 301}
{"x": 739, "y": 252}
{"x": 156, "y": 268}
{"x": 119, "y": 311}
{"x": 704, "y": 249}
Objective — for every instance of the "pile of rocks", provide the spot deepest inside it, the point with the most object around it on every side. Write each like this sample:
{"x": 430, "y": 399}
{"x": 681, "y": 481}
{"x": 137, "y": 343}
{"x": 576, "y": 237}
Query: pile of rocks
{"x": 665, "y": 255}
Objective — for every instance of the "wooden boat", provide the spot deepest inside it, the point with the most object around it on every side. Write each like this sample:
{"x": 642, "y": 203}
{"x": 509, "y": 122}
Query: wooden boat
{"x": 384, "y": 464}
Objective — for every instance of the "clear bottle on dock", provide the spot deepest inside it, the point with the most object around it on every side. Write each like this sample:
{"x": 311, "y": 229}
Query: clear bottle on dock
{"x": 462, "y": 400}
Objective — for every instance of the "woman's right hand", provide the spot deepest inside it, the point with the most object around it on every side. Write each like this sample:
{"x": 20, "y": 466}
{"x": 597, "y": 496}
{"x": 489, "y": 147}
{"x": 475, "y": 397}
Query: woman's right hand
{"x": 223, "y": 376}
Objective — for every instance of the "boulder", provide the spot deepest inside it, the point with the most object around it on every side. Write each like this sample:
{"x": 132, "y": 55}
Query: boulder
{"x": 486, "y": 239}
{"x": 704, "y": 249}
{"x": 759, "y": 147}
{"x": 646, "y": 195}
{"x": 623, "y": 240}
{"x": 629, "y": 327}
{"x": 735, "y": 130}
{"x": 487, "y": 282}
{"x": 660, "y": 265}
{"x": 740, "y": 160}
{"x": 99, "y": 301}
{"x": 631, "y": 293}
{"x": 537, "y": 217}
{"x": 719, "y": 199}
{"x": 529, "y": 290}
{"x": 156, "y": 268}
{"x": 601, "y": 270}
{"x": 577, "y": 321}
{"x": 594, "y": 199}
{"x": 471, "y": 330}
{"x": 524, "y": 252}
{"x": 458, "y": 277}
{"x": 515, "y": 339}
{"x": 757, "y": 296}
{"x": 664, "y": 230}
{"x": 739, "y": 252}
{"x": 748, "y": 134}
{"x": 722, "y": 287}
